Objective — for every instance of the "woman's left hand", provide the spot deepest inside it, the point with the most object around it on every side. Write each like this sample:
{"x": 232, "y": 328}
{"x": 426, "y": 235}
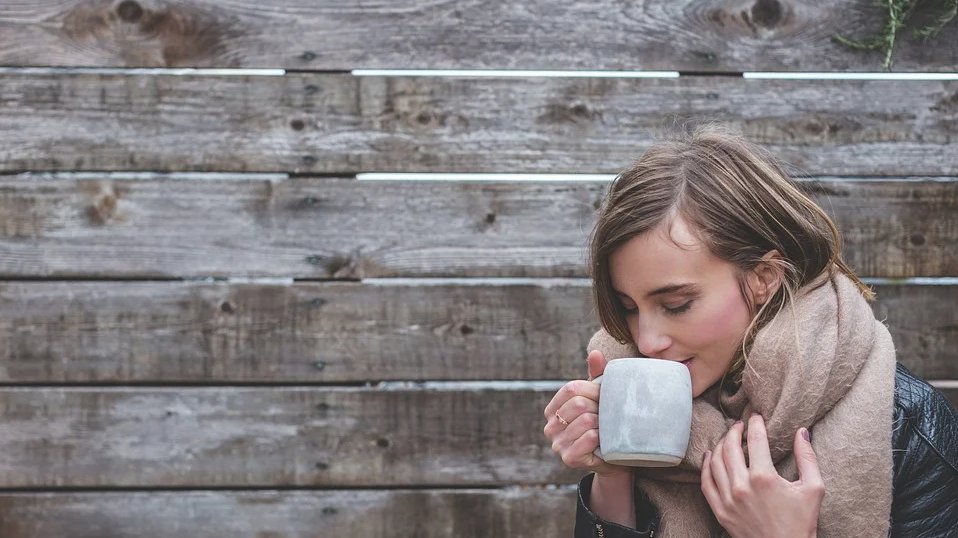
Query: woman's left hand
{"x": 754, "y": 500}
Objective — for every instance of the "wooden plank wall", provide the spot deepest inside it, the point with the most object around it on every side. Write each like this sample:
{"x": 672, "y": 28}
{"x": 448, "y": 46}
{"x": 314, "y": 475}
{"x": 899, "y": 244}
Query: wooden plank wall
{"x": 210, "y": 327}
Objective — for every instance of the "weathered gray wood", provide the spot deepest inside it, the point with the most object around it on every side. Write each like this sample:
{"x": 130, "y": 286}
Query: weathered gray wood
{"x": 322, "y": 228}
{"x": 344, "y": 124}
{"x": 771, "y": 35}
{"x": 110, "y": 332}
{"x": 923, "y": 322}
{"x": 447, "y": 435}
{"x": 333, "y": 332}
{"x": 270, "y": 436}
{"x": 530, "y": 512}
{"x": 951, "y": 394}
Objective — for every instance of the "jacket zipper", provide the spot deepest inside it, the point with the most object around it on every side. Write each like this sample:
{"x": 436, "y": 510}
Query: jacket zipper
{"x": 601, "y": 533}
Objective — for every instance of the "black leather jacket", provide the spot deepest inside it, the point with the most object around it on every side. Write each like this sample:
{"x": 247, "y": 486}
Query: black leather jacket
{"x": 925, "y": 483}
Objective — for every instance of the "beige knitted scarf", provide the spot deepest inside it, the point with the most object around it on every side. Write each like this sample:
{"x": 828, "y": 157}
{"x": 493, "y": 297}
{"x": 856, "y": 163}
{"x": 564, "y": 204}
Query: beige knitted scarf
{"x": 824, "y": 363}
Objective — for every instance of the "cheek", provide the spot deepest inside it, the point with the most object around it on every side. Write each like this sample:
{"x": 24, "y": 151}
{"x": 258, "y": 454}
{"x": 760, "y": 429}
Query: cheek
{"x": 726, "y": 321}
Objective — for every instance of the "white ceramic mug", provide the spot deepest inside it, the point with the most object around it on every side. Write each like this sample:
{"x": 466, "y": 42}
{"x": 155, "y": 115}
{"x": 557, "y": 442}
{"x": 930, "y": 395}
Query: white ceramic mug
{"x": 645, "y": 412}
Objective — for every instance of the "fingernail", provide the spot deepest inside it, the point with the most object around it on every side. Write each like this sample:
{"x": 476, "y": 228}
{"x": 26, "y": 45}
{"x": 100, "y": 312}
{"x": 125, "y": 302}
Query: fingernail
{"x": 705, "y": 457}
{"x": 806, "y": 435}
{"x": 737, "y": 422}
{"x": 755, "y": 414}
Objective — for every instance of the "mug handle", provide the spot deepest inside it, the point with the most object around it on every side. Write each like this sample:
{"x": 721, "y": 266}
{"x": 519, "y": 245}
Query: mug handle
{"x": 598, "y": 449}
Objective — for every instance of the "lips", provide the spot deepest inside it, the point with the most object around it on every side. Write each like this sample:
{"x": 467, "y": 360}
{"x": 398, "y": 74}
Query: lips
{"x": 687, "y": 361}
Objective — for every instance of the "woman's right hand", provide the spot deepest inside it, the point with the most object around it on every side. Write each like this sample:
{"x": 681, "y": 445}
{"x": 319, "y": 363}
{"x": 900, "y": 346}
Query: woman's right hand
{"x": 577, "y": 402}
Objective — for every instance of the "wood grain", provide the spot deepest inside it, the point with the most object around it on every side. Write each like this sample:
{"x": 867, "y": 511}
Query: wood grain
{"x": 690, "y": 35}
{"x": 339, "y": 124}
{"x": 452, "y": 435}
{"x": 951, "y": 394}
{"x": 438, "y": 435}
{"x": 175, "y": 332}
{"x": 429, "y": 513}
{"x": 107, "y": 227}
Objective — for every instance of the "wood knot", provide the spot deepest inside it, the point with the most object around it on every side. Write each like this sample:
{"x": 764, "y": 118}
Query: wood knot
{"x": 424, "y": 118}
{"x": 171, "y": 35}
{"x": 705, "y": 56}
{"x": 767, "y": 13}
{"x": 946, "y": 104}
{"x": 129, "y": 11}
{"x": 338, "y": 265}
{"x": 562, "y": 113}
{"x": 306, "y": 202}
{"x": 105, "y": 205}
{"x": 103, "y": 209}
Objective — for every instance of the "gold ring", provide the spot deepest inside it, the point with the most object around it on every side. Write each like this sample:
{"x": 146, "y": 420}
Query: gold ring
{"x": 562, "y": 420}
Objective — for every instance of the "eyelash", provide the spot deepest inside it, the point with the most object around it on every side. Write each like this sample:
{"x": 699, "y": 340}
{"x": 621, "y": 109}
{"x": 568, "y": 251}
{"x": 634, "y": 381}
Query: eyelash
{"x": 670, "y": 311}
{"x": 678, "y": 310}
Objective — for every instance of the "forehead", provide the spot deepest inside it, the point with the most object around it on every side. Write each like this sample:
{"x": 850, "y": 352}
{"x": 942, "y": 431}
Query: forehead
{"x": 668, "y": 254}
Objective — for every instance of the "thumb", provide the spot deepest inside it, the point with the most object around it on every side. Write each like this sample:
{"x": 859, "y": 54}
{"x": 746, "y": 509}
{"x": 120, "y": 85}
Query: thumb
{"x": 596, "y": 364}
{"x": 806, "y": 460}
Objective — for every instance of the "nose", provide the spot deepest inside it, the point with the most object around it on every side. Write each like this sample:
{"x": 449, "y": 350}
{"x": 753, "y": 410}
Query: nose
{"x": 649, "y": 337}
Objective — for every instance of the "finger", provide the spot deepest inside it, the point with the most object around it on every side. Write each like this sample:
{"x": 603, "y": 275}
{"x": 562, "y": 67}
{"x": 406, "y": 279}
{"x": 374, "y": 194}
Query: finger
{"x": 565, "y": 436}
{"x": 806, "y": 460}
{"x": 709, "y": 489}
{"x": 582, "y": 450}
{"x": 570, "y": 410}
{"x": 733, "y": 455}
{"x": 719, "y": 473}
{"x": 564, "y": 393}
{"x": 576, "y": 387}
{"x": 596, "y": 363}
{"x": 759, "y": 456}
{"x": 573, "y": 409}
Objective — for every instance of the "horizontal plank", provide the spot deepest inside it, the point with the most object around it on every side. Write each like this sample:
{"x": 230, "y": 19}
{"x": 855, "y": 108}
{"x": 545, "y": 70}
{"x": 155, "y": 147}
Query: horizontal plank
{"x": 771, "y": 35}
{"x": 513, "y": 511}
{"x": 340, "y": 228}
{"x": 439, "y": 436}
{"x": 141, "y": 332}
{"x": 339, "y": 124}
{"x": 276, "y": 436}
{"x": 950, "y": 392}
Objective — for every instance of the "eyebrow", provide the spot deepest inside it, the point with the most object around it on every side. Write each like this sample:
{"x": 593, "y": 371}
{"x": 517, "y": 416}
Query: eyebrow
{"x": 666, "y": 289}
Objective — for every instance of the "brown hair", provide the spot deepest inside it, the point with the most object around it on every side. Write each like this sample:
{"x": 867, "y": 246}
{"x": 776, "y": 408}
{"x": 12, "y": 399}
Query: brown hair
{"x": 740, "y": 203}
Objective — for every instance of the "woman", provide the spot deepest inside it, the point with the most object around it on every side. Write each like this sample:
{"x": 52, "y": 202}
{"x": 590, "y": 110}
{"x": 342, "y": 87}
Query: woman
{"x": 706, "y": 252}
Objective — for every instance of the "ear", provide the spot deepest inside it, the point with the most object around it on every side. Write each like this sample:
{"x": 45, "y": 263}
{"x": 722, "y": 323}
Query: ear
{"x": 765, "y": 279}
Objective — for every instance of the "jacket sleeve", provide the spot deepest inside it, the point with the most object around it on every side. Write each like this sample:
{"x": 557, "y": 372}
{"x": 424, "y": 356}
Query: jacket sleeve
{"x": 925, "y": 491}
{"x": 588, "y": 525}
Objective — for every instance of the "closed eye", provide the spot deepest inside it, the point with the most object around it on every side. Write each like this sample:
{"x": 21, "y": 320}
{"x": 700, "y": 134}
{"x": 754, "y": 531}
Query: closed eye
{"x": 679, "y": 309}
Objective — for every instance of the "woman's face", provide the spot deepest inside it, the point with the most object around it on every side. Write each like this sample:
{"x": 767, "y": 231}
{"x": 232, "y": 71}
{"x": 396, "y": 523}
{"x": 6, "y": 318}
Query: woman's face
{"x": 682, "y": 302}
